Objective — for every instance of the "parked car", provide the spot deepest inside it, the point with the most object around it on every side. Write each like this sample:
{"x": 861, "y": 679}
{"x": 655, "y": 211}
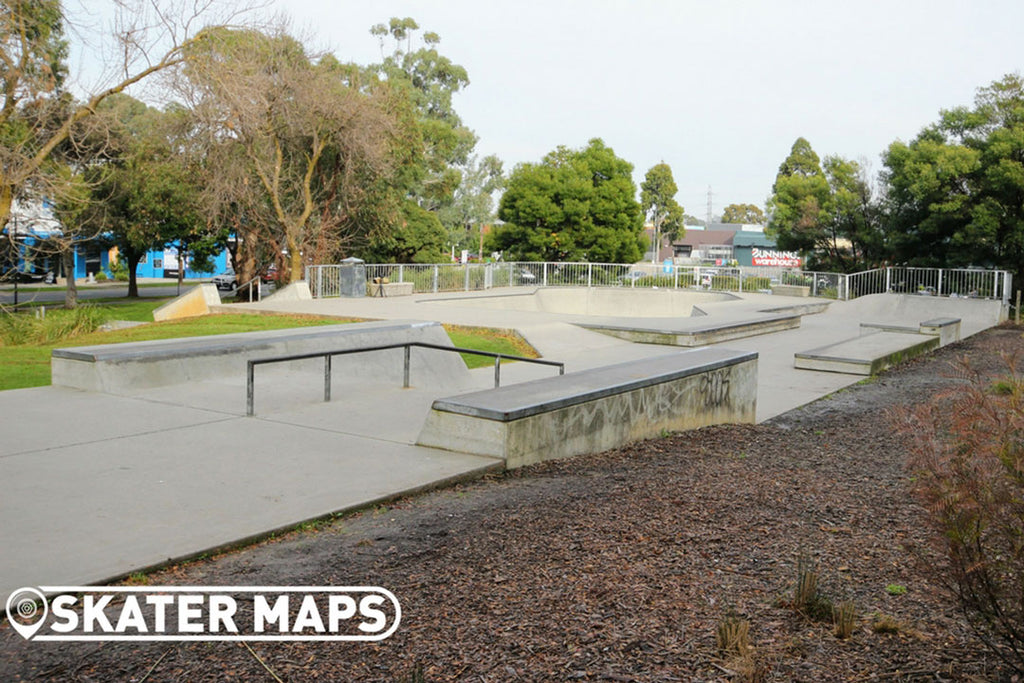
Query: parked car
{"x": 525, "y": 275}
{"x": 632, "y": 277}
{"x": 226, "y": 280}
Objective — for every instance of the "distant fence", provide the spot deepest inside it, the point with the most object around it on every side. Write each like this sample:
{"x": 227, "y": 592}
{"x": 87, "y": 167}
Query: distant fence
{"x": 325, "y": 280}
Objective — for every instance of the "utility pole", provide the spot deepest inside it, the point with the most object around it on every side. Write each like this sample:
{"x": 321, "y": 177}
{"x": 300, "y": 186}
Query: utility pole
{"x": 710, "y": 194}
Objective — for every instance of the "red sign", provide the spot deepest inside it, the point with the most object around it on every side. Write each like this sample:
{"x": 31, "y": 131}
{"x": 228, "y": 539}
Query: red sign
{"x": 770, "y": 257}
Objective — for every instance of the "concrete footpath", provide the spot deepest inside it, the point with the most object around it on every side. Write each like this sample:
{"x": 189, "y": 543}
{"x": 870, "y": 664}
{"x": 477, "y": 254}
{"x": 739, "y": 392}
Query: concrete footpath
{"x": 96, "y": 486}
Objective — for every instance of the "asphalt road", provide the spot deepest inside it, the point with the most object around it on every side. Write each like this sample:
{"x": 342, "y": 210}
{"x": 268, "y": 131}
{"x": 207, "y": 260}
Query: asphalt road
{"x": 56, "y": 295}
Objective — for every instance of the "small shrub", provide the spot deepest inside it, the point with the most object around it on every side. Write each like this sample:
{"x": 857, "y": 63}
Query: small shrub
{"x": 967, "y": 456}
{"x": 733, "y": 636}
{"x": 807, "y": 599}
{"x": 844, "y": 616}
{"x": 895, "y": 589}
{"x": 101, "y": 276}
{"x": 18, "y": 328}
{"x": 756, "y": 284}
{"x": 883, "y": 623}
{"x": 726, "y": 283}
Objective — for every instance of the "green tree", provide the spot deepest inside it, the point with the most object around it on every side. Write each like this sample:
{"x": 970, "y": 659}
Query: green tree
{"x": 658, "y": 202}
{"x": 576, "y": 204}
{"x": 145, "y": 194}
{"x": 827, "y": 212}
{"x": 38, "y": 115}
{"x": 418, "y": 238}
{"x": 429, "y": 80}
{"x": 745, "y": 214}
{"x": 472, "y": 205}
{"x": 955, "y": 194}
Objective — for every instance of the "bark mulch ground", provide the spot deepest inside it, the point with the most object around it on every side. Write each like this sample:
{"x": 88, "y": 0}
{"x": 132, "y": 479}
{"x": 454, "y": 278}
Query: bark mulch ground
{"x": 618, "y": 566}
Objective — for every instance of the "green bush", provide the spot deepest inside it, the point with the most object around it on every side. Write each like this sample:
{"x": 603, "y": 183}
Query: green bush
{"x": 726, "y": 283}
{"x": 754, "y": 284}
{"x": 25, "y": 328}
{"x": 101, "y": 276}
{"x": 656, "y": 281}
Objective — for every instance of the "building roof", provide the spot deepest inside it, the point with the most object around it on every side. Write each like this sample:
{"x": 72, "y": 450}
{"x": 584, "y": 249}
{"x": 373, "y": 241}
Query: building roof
{"x": 749, "y": 238}
{"x": 698, "y": 238}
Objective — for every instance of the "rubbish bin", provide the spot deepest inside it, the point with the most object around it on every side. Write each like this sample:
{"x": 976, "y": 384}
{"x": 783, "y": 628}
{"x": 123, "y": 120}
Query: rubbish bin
{"x": 352, "y": 278}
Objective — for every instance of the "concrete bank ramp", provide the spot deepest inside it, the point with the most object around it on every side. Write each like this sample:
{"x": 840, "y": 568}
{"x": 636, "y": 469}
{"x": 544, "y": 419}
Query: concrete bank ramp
{"x": 599, "y": 301}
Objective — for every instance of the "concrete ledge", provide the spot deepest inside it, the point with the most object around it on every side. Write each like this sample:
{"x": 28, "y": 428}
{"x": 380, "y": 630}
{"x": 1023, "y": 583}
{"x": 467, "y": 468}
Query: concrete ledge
{"x": 700, "y": 334}
{"x": 194, "y": 302}
{"x": 598, "y": 409}
{"x": 866, "y": 355}
{"x": 791, "y": 290}
{"x": 126, "y": 368}
{"x": 947, "y": 329}
{"x": 390, "y": 289}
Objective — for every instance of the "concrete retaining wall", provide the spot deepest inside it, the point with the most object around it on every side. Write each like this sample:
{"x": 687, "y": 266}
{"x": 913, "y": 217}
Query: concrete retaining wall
{"x": 125, "y": 368}
{"x": 594, "y": 410}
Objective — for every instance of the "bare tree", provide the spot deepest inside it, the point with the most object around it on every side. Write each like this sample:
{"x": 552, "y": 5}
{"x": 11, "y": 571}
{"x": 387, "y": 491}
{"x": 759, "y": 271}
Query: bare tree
{"x": 40, "y": 119}
{"x": 297, "y": 149}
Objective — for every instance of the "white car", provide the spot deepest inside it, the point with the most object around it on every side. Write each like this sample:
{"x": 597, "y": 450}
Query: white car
{"x": 226, "y": 280}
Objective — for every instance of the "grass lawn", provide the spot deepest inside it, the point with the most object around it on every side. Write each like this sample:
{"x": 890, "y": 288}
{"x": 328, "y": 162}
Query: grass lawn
{"x": 28, "y": 364}
{"x": 488, "y": 339}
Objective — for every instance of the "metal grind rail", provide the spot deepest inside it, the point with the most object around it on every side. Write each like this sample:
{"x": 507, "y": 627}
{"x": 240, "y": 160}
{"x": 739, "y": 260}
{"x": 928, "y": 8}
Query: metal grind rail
{"x": 327, "y": 355}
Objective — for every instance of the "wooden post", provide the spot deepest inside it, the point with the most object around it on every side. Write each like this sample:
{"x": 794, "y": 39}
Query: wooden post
{"x": 1018, "y": 307}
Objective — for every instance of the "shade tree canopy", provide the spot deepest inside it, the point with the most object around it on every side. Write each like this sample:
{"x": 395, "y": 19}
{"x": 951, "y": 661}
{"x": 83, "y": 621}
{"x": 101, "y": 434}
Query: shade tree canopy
{"x": 745, "y": 214}
{"x": 658, "y": 202}
{"x": 576, "y": 204}
{"x": 955, "y": 193}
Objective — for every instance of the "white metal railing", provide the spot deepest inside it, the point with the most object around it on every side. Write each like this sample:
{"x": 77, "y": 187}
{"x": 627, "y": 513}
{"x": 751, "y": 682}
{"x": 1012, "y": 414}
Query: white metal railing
{"x": 325, "y": 280}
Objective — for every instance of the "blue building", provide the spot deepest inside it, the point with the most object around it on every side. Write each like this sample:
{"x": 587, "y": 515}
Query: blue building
{"x": 36, "y": 233}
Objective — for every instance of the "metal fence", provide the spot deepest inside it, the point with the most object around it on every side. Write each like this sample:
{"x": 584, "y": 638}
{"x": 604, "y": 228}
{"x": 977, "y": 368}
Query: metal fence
{"x": 324, "y": 280}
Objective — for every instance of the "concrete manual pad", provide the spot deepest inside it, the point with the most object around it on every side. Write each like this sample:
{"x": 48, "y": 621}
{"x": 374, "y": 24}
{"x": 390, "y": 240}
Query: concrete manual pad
{"x": 867, "y": 354}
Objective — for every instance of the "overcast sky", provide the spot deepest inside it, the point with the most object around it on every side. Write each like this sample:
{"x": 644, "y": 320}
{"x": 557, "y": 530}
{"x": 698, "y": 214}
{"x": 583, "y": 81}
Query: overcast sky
{"x": 718, "y": 89}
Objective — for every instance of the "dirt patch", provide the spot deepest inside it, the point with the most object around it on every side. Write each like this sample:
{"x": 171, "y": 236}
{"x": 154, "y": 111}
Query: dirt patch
{"x": 618, "y": 566}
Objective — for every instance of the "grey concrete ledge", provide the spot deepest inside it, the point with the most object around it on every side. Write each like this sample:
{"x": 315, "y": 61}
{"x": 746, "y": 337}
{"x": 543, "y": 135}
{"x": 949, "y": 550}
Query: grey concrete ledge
{"x": 188, "y": 347}
{"x": 518, "y": 401}
{"x": 700, "y": 328}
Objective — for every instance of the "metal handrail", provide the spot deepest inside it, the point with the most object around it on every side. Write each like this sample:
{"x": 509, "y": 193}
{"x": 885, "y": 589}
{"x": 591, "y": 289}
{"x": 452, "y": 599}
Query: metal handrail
{"x": 327, "y": 355}
{"x": 249, "y": 285}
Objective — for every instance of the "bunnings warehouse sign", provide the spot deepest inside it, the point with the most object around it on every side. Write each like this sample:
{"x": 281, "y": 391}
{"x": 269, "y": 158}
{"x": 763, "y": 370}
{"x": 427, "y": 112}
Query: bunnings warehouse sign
{"x": 770, "y": 257}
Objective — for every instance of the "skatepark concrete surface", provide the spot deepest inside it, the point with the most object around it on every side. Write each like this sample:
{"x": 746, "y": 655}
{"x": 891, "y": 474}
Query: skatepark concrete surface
{"x": 96, "y": 486}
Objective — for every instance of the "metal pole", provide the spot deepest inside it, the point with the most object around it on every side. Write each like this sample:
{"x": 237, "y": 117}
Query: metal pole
{"x": 888, "y": 279}
{"x": 497, "y": 371}
{"x": 327, "y": 378}
{"x": 405, "y": 381}
{"x": 938, "y": 290}
{"x": 590, "y": 272}
{"x": 249, "y": 388}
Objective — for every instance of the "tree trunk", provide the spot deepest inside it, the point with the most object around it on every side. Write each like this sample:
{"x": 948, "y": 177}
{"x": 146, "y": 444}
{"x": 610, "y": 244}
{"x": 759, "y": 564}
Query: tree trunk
{"x": 295, "y": 261}
{"x": 71, "y": 293}
{"x": 132, "y": 257}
